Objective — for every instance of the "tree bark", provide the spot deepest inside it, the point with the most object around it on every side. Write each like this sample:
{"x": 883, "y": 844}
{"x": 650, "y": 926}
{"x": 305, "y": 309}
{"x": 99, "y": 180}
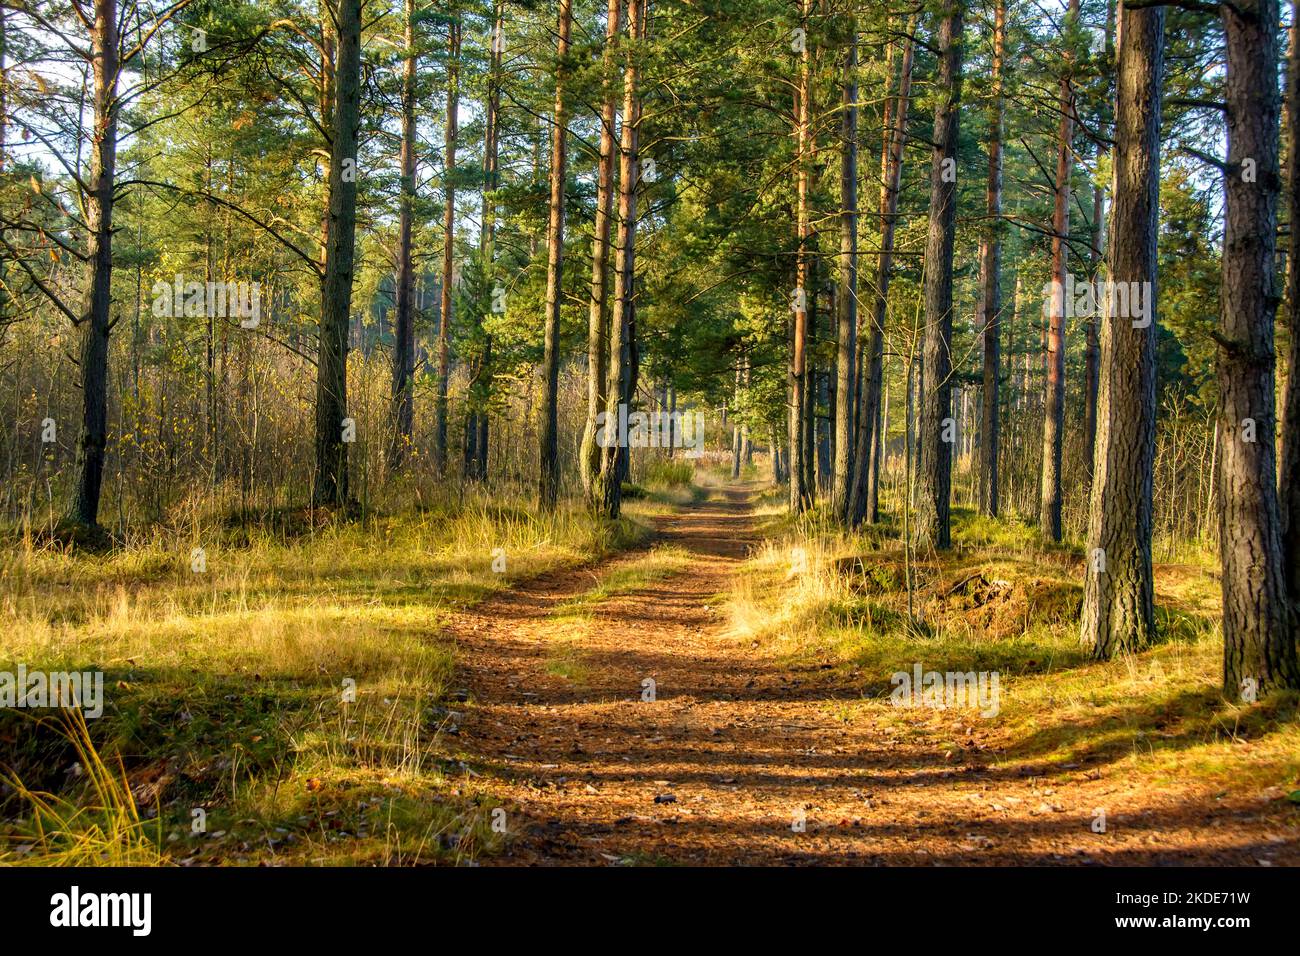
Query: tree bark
{"x": 609, "y": 490}
{"x": 448, "y": 248}
{"x": 991, "y": 282}
{"x": 863, "y": 499}
{"x": 1258, "y": 641}
{"x": 847, "y": 323}
{"x": 1289, "y": 488}
{"x": 403, "y": 307}
{"x": 331, "y": 486}
{"x": 549, "y": 476}
{"x": 799, "y": 327}
{"x": 597, "y": 313}
{"x": 935, "y": 473}
{"x": 480, "y": 388}
{"x": 95, "y": 318}
{"x": 1049, "y": 514}
{"x": 1118, "y": 598}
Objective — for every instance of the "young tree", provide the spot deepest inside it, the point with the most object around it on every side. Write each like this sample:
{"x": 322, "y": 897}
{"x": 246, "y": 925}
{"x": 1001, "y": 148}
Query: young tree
{"x": 1258, "y": 637}
{"x": 935, "y": 427}
{"x": 549, "y": 477}
{"x": 1118, "y": 599}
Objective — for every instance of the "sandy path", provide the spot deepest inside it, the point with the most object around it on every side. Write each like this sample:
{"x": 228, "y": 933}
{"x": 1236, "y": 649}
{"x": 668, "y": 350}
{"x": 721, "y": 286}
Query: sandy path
{"x": 737, "y": 748}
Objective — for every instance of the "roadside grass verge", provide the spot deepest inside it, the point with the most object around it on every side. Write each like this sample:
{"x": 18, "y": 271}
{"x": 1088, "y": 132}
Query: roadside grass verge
{"x": 816, "y": 597}
{"x": 282, "y": 700}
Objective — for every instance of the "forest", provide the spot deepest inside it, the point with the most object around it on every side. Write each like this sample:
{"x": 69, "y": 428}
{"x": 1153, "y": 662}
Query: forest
{"x": 649, "y": 432}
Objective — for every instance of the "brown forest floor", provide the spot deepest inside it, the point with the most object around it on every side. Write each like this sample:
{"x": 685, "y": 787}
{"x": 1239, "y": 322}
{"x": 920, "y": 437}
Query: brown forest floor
{"x": 737, "y": 742}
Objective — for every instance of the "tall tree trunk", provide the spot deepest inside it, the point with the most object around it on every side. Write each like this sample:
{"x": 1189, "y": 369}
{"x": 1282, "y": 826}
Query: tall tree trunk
{"x": 991, "y": 282}
{"x": 1289, "y": 488}
{"x": 1049, "y": 515}
{"x": 863, "y": 499}
{"x": 480, "y": 388}
{"x": 847, "y": 322}
{"x": 1259, "y": 652}
{"x": 549, "y": 477}
{"x": 1118, "y": 600}
{"x": 448, "y": 248}
{"x": 621, "y": 354}
{"x": 404, "y": 321}
{"x": 802, "y": 295}
{"x": 331, "y": 486}
{"x": 597, "y": 313}
{"x": 935, "y": 472}
{"x": 95, "y": 319}
{"x": 1092, "y": 344}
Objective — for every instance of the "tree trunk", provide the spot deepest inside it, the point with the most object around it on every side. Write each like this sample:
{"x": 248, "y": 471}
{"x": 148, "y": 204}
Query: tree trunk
{"x": 331, "y": 485}
{"x": 1289, "y": 488}
{"x": 609, "y": 491}
{"x": 448, "y": 248}
{"x": 549, "y": 476}
{"x": 597, "y": 314}
{"x": 480, "y": 388}
{"x": 95, "y": 318}
{"x": 935, "y": 472}
{"x": 799, "y": 328}
{"x": 1092, "y": 345}
{"x": 403, "y": 321}
{"x": 1049, "y": 514}
{"x": 847, "y": 322}
{"x": 991, "y": 282}
{"x": 1118, "y": 601}
{"x": 863, "y": 499}
{"x": 1259, "y": 652}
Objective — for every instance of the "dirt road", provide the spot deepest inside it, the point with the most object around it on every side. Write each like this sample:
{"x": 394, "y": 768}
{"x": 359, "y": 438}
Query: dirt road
{"x": 740, "y": 759}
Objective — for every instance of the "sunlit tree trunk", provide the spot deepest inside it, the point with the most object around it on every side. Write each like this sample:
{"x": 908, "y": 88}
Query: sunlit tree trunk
{"x": 609, "y": 489}
{"x": 847, "y": 321}
{"x": 549, "y": 475}
{"x": 1049, "y": 514}
{"x": 803, "y": 294}
{"x": 597, "y": 312}
{"x": 331, "y": 485}
{"x": 991, "y": 281}
{"x": 448, "y": 248}
{"x": 934, "y": 477}
{"x": 1289, "y": 476}
{"x": 98, "y": 297}
{"x": 1258, "y": 634}
{"x": 864, "y": 495}
{"x": 1118, "y": 601}
{"x": 403, "y": 308}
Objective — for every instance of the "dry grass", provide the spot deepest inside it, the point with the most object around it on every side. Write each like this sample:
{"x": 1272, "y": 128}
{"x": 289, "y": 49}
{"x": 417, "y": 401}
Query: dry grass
{"x": 294, "y": 692}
